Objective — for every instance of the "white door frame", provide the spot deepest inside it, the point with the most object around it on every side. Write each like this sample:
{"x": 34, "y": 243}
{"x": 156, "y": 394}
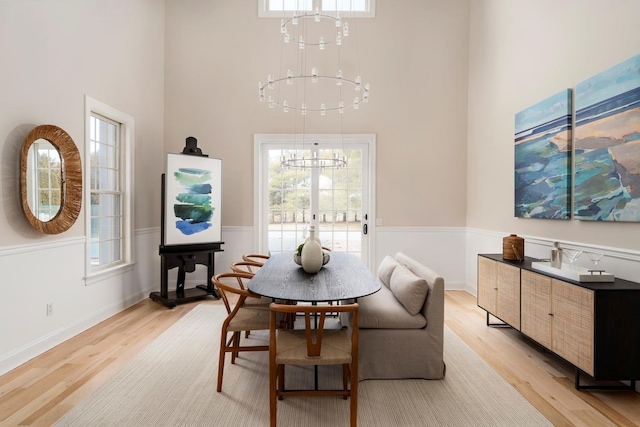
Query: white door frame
{"x": 261, "y": 190}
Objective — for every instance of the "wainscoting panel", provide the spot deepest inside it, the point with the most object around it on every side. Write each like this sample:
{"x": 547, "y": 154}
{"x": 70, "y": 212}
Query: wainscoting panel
{"x": 27, "y": 331}
{"x": 440, "y": 248}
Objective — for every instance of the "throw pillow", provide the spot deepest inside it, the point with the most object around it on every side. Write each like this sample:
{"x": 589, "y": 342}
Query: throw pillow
{"x": 386, "y": 268}
{"x": 409, "y": 289}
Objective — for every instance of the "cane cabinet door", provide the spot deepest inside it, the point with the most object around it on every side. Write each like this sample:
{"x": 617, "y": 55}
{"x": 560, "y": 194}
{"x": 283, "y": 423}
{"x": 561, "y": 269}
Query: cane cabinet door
{"x": 487, "y": 284}
{"x": 508, "y": 305}
{"x": 573, "y": 324}
{"x": 536, "y": 307}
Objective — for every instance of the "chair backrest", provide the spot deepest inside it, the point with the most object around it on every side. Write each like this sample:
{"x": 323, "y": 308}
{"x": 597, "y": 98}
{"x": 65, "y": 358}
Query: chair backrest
{"x": 314, "y": 335}
{"x": 233, "y": 283}
{"x": 259, "y": 258}
{"x": 250, "y": 267}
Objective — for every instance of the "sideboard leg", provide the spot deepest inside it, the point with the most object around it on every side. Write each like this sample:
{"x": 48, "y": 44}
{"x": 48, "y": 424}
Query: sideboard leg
{"x": 631, "y": 386}
{"x": 496, "y": 325}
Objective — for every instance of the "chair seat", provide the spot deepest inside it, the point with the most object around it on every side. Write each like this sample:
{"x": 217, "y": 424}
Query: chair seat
{"x": 292, "y": 348}
{"x": 250, "y": 319}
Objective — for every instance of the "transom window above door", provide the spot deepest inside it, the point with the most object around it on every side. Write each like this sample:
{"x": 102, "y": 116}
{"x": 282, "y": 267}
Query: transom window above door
{"x": 276, "y": 8}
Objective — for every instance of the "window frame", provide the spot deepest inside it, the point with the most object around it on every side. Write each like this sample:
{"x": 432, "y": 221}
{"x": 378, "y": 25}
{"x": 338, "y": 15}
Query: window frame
{"x": 264, "y": 12}
{"x": 126, "y": 162}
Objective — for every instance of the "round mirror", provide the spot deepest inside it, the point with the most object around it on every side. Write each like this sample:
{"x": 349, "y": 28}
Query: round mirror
{"x": 50, "y": 179}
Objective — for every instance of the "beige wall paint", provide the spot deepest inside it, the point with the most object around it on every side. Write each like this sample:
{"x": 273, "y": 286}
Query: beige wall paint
{"x": 56, "y": 52}
{"x": 414, "y": 54}
{"x": 520, "y": 53}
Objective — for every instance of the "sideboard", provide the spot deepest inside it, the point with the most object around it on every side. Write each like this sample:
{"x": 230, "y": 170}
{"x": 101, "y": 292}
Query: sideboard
{"x": 594, "y": 326}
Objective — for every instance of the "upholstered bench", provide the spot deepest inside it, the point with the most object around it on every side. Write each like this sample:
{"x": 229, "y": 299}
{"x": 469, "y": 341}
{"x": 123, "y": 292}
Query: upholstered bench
{"x": 402, "y": 325}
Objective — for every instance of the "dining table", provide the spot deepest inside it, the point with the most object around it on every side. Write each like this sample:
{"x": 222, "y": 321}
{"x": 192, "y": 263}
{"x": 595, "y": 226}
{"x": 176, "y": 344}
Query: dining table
{"x": 344, "y": 277}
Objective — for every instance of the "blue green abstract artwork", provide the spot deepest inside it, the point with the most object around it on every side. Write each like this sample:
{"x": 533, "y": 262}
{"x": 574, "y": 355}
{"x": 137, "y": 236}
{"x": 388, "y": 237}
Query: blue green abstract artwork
{"x": 607, "y": 145}
{"x": 192, "y": 199}
{"x": 543, "y": 159}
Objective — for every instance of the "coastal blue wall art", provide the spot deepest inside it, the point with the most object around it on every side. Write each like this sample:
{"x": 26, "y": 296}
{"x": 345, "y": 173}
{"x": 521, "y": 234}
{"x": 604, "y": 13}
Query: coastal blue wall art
{"x": 543, "y": 159}
{"x": 607, "y": 145}
{"x": 193, "y": 186}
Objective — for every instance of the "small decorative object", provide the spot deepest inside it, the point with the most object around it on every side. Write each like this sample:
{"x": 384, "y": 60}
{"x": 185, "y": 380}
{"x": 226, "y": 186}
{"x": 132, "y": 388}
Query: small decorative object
{"x": 311, "y": 255}
{"x": 513, "y": 248}
{"x": 556, "y": 256}
{"x": 572, "y": 256}
{"x": 298, "y": 254}
{"x": 595, "y": 258}
{"x": 325, "y": 257}
{"x": 297, "y": 259}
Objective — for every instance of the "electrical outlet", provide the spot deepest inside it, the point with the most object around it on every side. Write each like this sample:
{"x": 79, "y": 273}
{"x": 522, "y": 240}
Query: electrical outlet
{"x": 50, "y": 309}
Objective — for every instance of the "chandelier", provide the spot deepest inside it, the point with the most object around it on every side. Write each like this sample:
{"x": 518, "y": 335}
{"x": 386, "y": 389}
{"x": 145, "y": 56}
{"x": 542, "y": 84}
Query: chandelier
{"x": 307, "y": 89}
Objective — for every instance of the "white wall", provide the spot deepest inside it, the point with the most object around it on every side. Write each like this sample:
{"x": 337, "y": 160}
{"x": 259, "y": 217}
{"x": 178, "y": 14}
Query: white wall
{"x": 53, "y": 53}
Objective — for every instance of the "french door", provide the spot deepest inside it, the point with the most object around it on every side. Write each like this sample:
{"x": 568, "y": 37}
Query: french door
{"x": 338, "y": 201}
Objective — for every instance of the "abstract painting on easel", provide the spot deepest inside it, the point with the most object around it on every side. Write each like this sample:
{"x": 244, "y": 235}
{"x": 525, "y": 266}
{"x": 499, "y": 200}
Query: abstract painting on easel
{"x": 607, "y": 145}
{"x": 192, "y": 199}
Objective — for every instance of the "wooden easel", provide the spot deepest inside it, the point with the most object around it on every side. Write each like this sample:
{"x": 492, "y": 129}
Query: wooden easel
{"x": 185, "y": 257}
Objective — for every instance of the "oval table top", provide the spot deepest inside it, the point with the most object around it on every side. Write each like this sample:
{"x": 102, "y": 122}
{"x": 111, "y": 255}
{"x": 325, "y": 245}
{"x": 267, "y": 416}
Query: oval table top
{"x": 344, "y": 277}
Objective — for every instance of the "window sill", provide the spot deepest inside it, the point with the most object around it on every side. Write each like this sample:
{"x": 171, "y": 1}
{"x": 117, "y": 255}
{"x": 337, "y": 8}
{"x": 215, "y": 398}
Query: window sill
{"x": 108, "y": 273}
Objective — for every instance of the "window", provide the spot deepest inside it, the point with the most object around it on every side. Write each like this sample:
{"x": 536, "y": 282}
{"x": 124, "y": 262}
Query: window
{"x": 338, "y": 202}
{"x": 108, "y": 184}
{"x": 278, "y": 8}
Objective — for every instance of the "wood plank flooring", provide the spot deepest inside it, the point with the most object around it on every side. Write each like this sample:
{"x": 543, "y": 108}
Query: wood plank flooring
{"x": 42, "y": 390}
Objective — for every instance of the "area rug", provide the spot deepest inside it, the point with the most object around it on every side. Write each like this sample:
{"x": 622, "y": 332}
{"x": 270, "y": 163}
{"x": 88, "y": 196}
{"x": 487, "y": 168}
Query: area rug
{"x": 172, "y": 382}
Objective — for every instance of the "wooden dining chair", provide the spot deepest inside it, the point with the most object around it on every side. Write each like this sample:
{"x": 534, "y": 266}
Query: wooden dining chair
{"x": 313, "y": 346}
{"x": 250, "y": 267}
{"x": 259, "y": 258}
{"x": 241, "y": 316}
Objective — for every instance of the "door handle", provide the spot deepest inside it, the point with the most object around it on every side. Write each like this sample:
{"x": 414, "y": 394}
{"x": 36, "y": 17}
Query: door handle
{"x": 364, "y": 229}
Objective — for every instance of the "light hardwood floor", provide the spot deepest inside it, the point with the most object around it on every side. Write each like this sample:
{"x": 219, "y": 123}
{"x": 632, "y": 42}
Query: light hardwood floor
{"x": 43, "y": 389}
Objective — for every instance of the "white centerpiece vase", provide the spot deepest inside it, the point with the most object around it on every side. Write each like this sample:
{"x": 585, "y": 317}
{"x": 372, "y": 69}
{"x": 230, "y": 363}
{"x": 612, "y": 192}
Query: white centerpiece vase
{"x": 312, "y": 257}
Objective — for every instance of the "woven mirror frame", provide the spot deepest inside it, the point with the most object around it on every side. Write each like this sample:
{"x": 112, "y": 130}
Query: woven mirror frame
{"x": 71, "y": 187}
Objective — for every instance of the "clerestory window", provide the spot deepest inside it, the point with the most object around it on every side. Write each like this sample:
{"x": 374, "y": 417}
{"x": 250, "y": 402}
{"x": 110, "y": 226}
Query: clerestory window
{"x": 278, "y": 8}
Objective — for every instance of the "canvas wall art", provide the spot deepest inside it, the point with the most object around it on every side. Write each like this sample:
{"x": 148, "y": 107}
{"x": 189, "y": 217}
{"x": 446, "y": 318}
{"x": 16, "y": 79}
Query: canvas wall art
{"x": 607, "y": 145}
{"x": 543, "y": 159}
{"x": 193, "y": 186}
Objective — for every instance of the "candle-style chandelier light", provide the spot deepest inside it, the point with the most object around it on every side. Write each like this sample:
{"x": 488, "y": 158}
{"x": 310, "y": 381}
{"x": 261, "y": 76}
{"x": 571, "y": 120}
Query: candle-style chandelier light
{"x": 306, "y": 88}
